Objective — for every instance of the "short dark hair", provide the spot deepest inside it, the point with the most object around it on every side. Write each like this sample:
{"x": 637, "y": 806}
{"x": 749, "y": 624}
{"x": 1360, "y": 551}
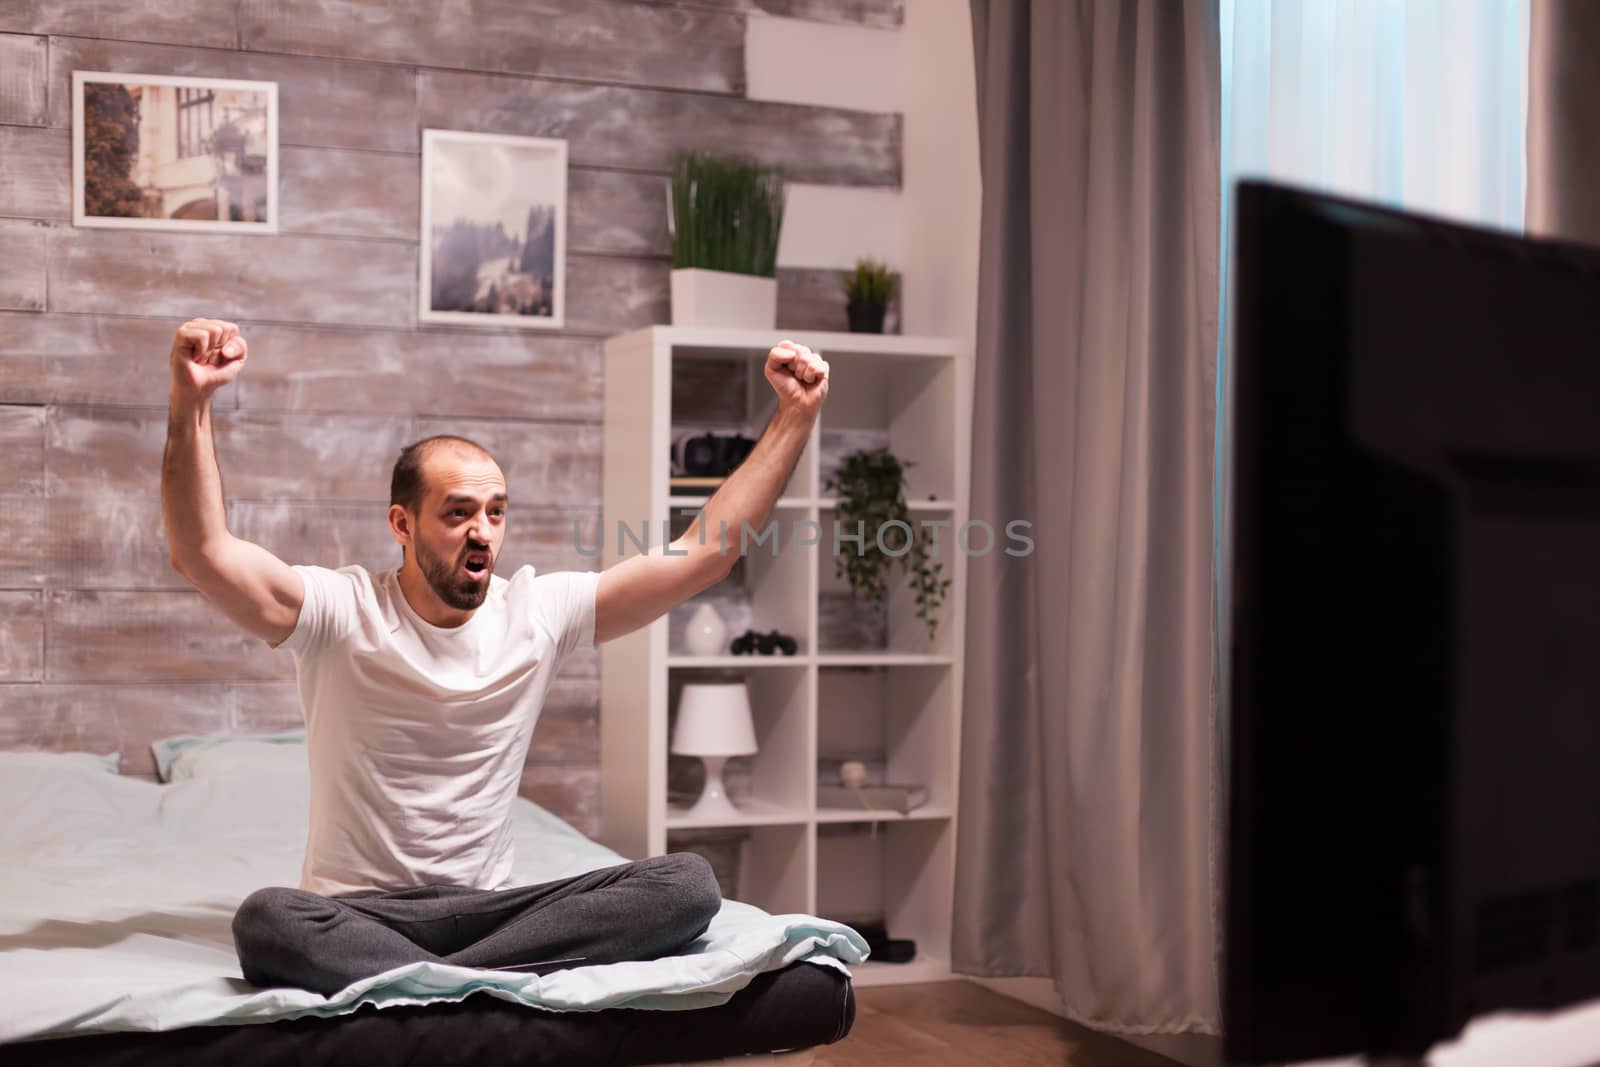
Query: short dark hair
{"x": 408, "y": 486}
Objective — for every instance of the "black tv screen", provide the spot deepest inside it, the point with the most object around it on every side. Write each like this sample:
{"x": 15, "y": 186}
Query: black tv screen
{"x": 1413, "y": 824}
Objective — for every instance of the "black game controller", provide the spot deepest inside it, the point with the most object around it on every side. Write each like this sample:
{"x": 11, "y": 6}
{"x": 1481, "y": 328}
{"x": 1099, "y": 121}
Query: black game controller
{"x": 751, "y": 642}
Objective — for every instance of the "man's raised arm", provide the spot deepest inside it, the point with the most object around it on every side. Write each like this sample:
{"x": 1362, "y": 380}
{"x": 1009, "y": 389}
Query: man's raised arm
{"x": 639, "y": 590}
{"x": 250, "y": 585}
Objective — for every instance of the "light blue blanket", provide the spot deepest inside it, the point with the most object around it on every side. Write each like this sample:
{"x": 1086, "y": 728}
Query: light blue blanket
{"x": 117, "y": 895}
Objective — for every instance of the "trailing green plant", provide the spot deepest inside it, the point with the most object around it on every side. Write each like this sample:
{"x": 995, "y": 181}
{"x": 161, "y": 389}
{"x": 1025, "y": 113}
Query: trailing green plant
{"x": 725, "y": 213}
{"x": 870, "y": 486}
{"x": 872, "y": 282}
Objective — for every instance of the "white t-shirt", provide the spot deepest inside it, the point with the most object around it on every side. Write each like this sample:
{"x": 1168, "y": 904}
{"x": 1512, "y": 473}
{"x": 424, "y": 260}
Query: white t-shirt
{"x": 415, "y": 733}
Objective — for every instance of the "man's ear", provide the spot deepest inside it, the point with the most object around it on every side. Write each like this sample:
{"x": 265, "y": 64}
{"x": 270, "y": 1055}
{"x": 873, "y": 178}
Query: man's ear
{"x": 400, "y": 525}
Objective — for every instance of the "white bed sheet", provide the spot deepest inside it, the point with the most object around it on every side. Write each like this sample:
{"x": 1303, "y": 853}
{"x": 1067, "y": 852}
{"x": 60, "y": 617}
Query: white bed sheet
{"x": 117, "y": 896}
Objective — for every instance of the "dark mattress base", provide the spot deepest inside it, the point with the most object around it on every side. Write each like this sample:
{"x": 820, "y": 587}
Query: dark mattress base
{"x": 800, "y": 1006}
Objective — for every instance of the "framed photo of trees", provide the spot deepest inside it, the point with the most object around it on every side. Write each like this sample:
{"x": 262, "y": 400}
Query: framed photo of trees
{"x": 494, "y": 230}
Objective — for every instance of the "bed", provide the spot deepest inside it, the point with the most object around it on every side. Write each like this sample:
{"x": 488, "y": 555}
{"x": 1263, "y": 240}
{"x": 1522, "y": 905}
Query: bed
{"x": 117, "y": 894}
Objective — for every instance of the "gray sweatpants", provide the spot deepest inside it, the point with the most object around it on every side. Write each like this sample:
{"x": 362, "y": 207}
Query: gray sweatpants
{"x": 633, "y": 911}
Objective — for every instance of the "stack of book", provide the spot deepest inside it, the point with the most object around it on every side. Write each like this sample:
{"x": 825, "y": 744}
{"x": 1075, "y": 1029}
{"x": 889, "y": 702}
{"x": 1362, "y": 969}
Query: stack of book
{"x": 900, "y": 798}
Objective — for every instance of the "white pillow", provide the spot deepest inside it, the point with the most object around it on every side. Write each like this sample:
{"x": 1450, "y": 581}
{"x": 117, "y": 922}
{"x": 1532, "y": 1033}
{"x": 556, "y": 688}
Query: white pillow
{"x": 193, "y": 756}
{"x": 46, "y": 760}
{"x": 239, "y": 760}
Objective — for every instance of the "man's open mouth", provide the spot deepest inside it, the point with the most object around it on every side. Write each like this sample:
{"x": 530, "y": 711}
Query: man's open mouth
{"x": 477, "y": 564}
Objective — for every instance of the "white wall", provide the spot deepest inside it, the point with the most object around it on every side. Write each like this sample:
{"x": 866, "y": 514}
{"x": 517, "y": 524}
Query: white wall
{"x": 928, "y": 229}
{"x": 942, "y": 199}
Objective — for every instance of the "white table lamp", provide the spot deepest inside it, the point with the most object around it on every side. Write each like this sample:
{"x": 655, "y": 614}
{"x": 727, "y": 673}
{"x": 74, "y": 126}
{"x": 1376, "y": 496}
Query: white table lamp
{"x": 714, "y": 723}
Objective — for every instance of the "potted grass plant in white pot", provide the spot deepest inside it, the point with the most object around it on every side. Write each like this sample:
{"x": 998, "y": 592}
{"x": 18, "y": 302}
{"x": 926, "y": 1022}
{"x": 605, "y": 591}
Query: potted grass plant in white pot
{"x": 724, "y": 214}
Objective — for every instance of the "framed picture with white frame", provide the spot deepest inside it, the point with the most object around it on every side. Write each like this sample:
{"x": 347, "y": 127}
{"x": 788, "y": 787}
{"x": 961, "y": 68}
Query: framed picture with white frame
{"x": 161, "y": 152}
{"x": 494, "y": 230}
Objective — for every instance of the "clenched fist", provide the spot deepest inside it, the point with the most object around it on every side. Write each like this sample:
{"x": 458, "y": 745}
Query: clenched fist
{"x": 206, "y": 355}
{"x": 799, "y": 376}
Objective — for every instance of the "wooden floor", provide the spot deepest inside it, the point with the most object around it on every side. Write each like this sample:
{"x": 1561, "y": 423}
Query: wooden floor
{"x": 962, "y": 1024}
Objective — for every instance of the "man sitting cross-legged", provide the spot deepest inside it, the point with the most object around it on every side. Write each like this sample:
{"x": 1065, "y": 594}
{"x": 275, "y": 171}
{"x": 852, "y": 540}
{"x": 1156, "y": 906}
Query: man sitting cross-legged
{"x": 420, "y": 686}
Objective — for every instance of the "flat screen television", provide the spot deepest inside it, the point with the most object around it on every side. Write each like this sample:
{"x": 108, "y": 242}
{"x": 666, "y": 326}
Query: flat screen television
{"x": 1413, "y": 745}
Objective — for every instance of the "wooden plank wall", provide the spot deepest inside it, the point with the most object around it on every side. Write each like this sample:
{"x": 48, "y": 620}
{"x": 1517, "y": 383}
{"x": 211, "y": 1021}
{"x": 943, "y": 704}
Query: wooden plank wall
{"x": 102, "y": 646}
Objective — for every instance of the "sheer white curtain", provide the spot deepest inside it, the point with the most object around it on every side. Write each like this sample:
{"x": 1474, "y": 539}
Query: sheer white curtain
{"x": 1417, "y": 104}
{"x": 1420, "y": 104}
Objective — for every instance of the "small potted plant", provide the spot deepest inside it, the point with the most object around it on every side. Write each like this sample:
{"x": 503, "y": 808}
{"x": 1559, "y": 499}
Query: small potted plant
{"x": 870, "y": 486}
{"x": 724, "y": 214}
{"x": 868, "y": 290}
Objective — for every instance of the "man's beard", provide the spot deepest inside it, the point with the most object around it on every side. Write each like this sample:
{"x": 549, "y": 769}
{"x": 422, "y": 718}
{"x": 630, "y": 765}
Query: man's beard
{"x": 444, "y": 578}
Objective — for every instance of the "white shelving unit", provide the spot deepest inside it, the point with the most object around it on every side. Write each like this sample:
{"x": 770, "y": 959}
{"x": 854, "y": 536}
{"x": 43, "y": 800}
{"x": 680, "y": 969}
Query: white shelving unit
{"x": 898, "y": 707}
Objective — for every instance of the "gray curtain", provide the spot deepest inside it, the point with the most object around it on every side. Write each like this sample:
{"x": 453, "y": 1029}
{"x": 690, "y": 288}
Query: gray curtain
{"x": 1564, "y": 119}
{"x": 1085, "y": 840}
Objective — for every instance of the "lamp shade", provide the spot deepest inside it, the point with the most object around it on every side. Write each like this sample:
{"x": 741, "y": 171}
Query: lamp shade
{"x": 714, "y": 720}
